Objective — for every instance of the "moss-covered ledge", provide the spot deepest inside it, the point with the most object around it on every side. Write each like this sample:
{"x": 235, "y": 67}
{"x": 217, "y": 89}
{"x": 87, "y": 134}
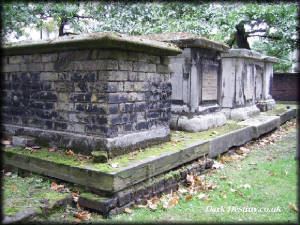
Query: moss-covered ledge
{"x": 242, "y": 53}
{"x": 91, "y": 41}
{"x": 187, "y": 40}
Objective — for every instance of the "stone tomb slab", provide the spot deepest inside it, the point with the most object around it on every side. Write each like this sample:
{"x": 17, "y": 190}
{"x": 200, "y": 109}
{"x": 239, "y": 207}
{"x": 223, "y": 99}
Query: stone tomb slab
{"x": 112, "y": 183}
{"x": 105, "y": 178}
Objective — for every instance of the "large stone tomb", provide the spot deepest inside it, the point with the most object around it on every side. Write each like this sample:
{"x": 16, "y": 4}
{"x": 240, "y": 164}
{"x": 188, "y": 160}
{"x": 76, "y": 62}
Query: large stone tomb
{"x": 196, "y": 78}
{"x": 101, "y": 91}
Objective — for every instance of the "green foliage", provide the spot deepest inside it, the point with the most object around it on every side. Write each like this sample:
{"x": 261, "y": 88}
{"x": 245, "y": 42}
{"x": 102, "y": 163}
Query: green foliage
{"x": 276, "y": 24}
{"x": 280, "y": 51}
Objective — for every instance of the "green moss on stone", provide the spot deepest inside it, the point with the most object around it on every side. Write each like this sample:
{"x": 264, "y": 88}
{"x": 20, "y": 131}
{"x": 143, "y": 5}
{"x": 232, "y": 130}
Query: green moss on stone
{"x": 99, "y": 156}
{"x": 92, "y": 196}
{"x": 179, "y": 141}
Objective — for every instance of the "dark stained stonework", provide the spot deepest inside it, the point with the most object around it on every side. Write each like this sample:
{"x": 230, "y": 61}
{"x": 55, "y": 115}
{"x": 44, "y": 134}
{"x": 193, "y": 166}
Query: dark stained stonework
{"x": 114, "y": 99}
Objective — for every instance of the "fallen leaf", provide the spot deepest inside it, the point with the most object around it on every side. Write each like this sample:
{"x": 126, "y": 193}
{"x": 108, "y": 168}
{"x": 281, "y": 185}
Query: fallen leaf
{"x": 223, "y": 177}
{"x": 152, "y": 206}
{"x": 142, "y": 206}
{"x": 206, "y": 199}
{"x": 77, "y": 220}
{"x": 293, "y": 207}
{"x": 217, "y": 165}
{"x": 182, "y": 190}
{"x": 13, "y": 188}
{"x": 56, "y": 187}
{"x": 88, "y": 157}
{"x": 240, "y": 193}
{"x": 247, "y": 186}
{"x": 115, "y": 165}
{"x": 189, "y": 197}
{"x": 64, "y": 215}
{"x": 240, "y": 152}
{"x": 212, "y": 186}
{"x": 190, "y": 179}
{"x": 28, "y": 148}
{"x": 36, "y": 147}
{"x": 52, "y": 149}
{"x": 84, "y": 215}
{"x": 70, "y": 152}
{"x": 201, "y": 196}
{"x": 81, "y": 158}
{"x": 222, "y": 160}
{"x": 155, "y": 199}
{"x": 8, "y": 174}
{"x": 239, "y": 167}
{"x": 127, "y": 210}
{"x": 5, "y": 142}
{"x": 286, "y": 172}
{"x": 172, "y": 203}
{"x": 75, "y": 196}
{"x": 232, "y": 190}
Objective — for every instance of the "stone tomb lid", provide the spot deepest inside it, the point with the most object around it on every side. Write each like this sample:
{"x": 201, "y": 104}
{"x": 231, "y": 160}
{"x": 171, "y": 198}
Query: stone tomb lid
{"x": 91, "y": 41}
{"x": 250, "y": 54}
{"x": 242, "y": 53}
{"x": 188, "y": 40}
{"x": 270, "y": 59}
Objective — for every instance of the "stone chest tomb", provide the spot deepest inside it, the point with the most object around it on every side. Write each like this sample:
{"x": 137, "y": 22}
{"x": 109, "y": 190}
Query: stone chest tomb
{"x": 196, "y": 77}
{"x": 101, "y": 91}
{"x": 246, "y": 80}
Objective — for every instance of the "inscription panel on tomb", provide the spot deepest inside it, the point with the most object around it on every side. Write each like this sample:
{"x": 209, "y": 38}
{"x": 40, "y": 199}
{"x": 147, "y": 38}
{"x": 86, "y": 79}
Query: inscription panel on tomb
{"x": 210, "y": 82}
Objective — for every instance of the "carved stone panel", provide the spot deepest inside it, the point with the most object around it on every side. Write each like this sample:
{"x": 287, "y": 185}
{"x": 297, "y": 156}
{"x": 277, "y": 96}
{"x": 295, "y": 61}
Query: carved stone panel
{"x": 210, "y": 82}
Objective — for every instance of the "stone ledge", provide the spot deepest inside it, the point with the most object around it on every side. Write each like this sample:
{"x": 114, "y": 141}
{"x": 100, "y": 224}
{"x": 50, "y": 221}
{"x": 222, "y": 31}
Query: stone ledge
{"x": 222, "y": 143}
{"x": 91, "y": 41}
{"x": 288, "y": 115}
{"x": 26, "y": 214}
{"x": 113, "y": 183}
{"x": 261, "y": 124}
{"x": 86, "y": 144}
{"x": 242, "y": 53}
{"x": 156, "y": 186}
{"x": 198, "y": 123}
{"x": 241, "y": 113}
{"x": 188, "y": 40}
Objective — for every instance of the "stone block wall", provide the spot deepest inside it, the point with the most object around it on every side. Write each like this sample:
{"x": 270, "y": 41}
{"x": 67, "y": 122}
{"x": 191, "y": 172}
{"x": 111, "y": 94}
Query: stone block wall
{"x": 246, "y": 78}
{"x": 88, "y": 99}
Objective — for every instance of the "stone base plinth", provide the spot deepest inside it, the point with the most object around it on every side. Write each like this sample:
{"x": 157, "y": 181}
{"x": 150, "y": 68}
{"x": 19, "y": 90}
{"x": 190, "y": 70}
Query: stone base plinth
{"x": 197, "y": 123}
{"x": 241, "y": 113}
{"x": 266, "y": 105}
{"x": 88, "y": 143}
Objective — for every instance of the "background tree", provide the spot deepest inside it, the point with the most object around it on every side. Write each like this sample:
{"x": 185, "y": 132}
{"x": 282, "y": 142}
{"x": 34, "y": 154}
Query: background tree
{"x": 275, "y": 26}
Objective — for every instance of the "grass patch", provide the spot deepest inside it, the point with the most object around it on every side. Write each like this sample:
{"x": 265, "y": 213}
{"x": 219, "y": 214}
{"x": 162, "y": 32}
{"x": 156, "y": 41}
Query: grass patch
{"x": 21, "y": 193}
{"x": 279, "y": 109}
{"x": 272, "y": 174}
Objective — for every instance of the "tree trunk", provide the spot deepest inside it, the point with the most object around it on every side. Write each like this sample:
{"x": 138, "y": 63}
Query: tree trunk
{"x": 61, "y": 29}
{"x": 241, "y": 37}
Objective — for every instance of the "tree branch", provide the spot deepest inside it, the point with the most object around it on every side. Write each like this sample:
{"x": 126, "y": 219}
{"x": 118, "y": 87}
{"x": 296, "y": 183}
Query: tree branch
{"x": 256, "y": 31}
{"x": 83, "y": 17}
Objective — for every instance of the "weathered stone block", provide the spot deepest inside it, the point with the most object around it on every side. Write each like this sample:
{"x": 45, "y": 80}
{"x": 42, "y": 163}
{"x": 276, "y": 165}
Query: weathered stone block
{"x": 162, "y": 69}
{"x": 144, "y": 67}
{"x": 23, "y": 141}
{"x": 117, "y": 75}
{"x": 125, "y": 65}
{"x": 99, "y": 156}
{"x": 16, "y": 59}
{"x": 52, "y": 57}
